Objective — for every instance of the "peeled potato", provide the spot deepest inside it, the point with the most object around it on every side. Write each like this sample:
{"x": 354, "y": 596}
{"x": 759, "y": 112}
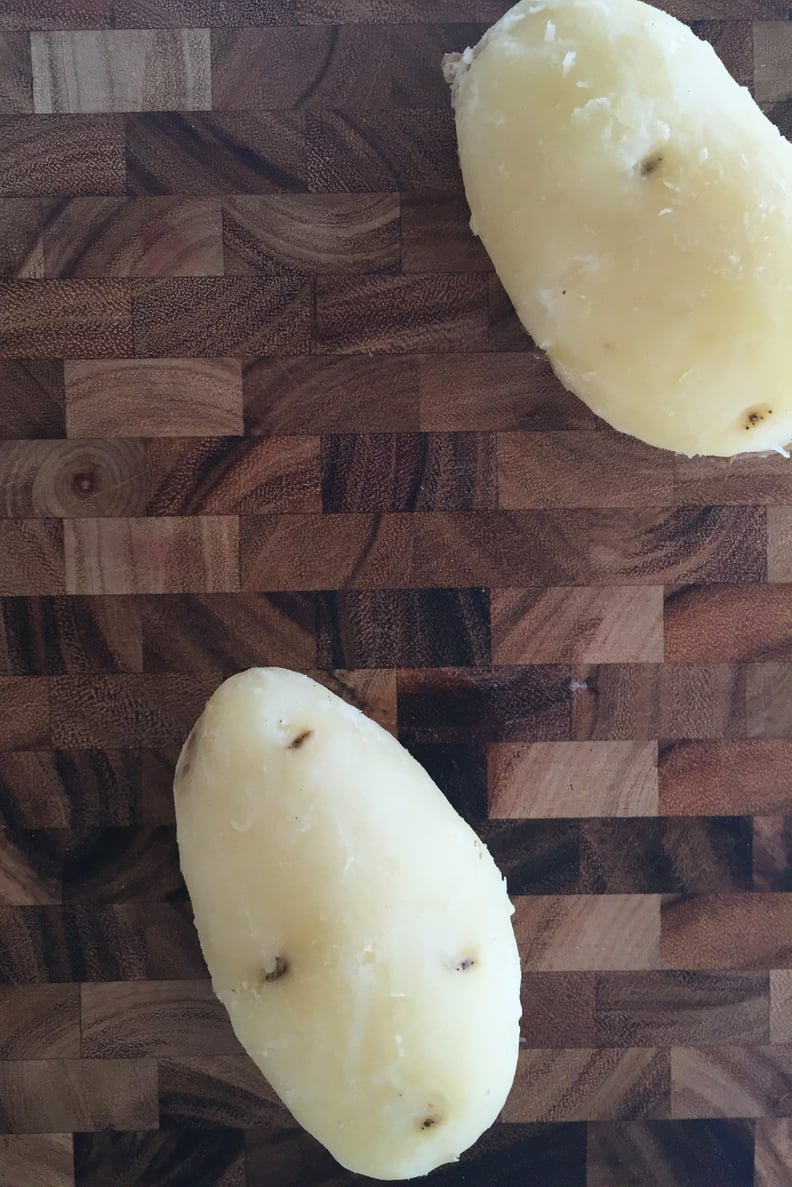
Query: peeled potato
{"x": 637, "y": 206}
{"x": 356, "y": 929}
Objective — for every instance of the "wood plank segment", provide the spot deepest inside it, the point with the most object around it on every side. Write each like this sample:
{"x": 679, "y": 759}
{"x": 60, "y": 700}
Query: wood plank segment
{"x": 177, "y": 555}
{"x": 84, "y": 1094}
{"x": 46, "y": 156}
{"x": 131, "y": 1020}
{"x": 581, "y": 932}
{"x": 153, "y": 397}
{"x": 37, "y": 1160}
{"x": 121, "y": 71}
{"x": 86, "y": 237}
{"x": 67, "y": 318}
{"x": 562, "y": 779}
{"x": 610, "y": 625}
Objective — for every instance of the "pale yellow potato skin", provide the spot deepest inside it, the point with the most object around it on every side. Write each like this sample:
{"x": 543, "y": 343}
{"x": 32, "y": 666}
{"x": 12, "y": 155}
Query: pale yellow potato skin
{"x": 356, "y": 930}
{"x": 637, "y": 206}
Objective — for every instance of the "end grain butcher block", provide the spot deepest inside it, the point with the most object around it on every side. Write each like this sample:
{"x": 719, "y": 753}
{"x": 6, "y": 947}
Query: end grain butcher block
{"x": 263, "y": 401}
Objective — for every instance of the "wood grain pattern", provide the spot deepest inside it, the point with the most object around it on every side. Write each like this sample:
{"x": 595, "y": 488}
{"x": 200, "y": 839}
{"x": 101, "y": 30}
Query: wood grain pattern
{"x": 86, "y": 237}
{"x": 58, "y": 154}
{"x": 37, "y": 1160}
{"x": 121, "y": 70}
{"x": 154, "y": 397}
{"x": 263, "y": 400}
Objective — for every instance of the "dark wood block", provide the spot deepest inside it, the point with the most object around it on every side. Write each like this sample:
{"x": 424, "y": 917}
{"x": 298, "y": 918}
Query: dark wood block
{"x": 772, "y": 853}
{"x": 16, "y": 79}
{"x": 713, "y": 777}
{"x": 506, "y": 331}
{"x": 233, "y": 476}
{"x": 662, "y": 855}
{"x": 153, "y": 397}
{"x": 24, "y": 713}
{"x": 55, "y": 636}
{"x": 554, "y": 1153}
{"x": 78, "y": 1094}
{"x": 21, "y": 245}
{"x": 226, "y": 1090}
{"x": 191, "y": 13}
{"x": 385, "y": 313}
{"x": 460, "y": 771}
{"x": 737, "y": 931}
{"x": 221, "y": 315}
{"x": 331, "y": 395}
{"x": 311, "y": 233}
{"x": 34, "y": 555}
{"x": 682, "y": 1153}
{"x": 226, "y": 633}
{"x": 373, "y": 691}
{"x": 660, "y": 1009}
{"x": 117, "y": 865}
{"x": 588, "y": 547}
{"x": 62, "y": 789}
{"x": 581, "y": 469}
{"x": 404, "y": 628}
{"x": 285, "y": 552}
{"x": 415, "y": 472}
{"x": 214, "y": 1157}
{"x": 176, "y": 554}
{"x": 568, "y": 624}
{"x": 172, "y": 950}
{"x": 728, "y": 623}
{"x": 32, "y": 399}
{"x": 113, "y": 711}
{"x": 731, "y": 1081}
{"x": 390, "y": 11}
{"x": 199, "y": 153}
{"x": 137, "y": 1018}
{"x": 511, "y": 704}
{"x": 71, "y": 943}
{"x": 156, "y": 795}
{"x": 390, "y": 150}
{"x": 558, "y": 1009}
{"x": 133, "y": 237}
{"x": 30, "y": 869}
{"x": 73, "y": 318}
{"x": 37, "y": 1160}
{"x": 739, "y": 480}
{"x": 436, "y": 235}
{"x": 535, "y": 856}
{"x": 56, "y": 14}
{"x": 490, "y": 392}
{"x": 590, "y": 1085}
{"x": 39, "y": 1022}
{"x": 48, "y": 155}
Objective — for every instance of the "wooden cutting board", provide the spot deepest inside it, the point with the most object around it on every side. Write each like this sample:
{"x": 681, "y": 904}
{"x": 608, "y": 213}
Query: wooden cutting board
{"x": 263, "y": 401}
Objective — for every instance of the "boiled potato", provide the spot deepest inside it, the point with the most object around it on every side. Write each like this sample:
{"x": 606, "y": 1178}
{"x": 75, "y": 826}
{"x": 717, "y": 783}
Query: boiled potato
{"x": 637, "y": 206}
{"x": 356, "y": 929}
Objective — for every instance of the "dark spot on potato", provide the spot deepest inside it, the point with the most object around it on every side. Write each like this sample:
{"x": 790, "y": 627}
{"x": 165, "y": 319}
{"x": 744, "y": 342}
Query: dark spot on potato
{"x": 467, "y": 962}
{"x": 297, "y": 742}
{"x": 651, "y": 164}
{"x": 430, "y": 1121}
{"x": 755, "y": 416}
{"x": 278, "y": 969}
